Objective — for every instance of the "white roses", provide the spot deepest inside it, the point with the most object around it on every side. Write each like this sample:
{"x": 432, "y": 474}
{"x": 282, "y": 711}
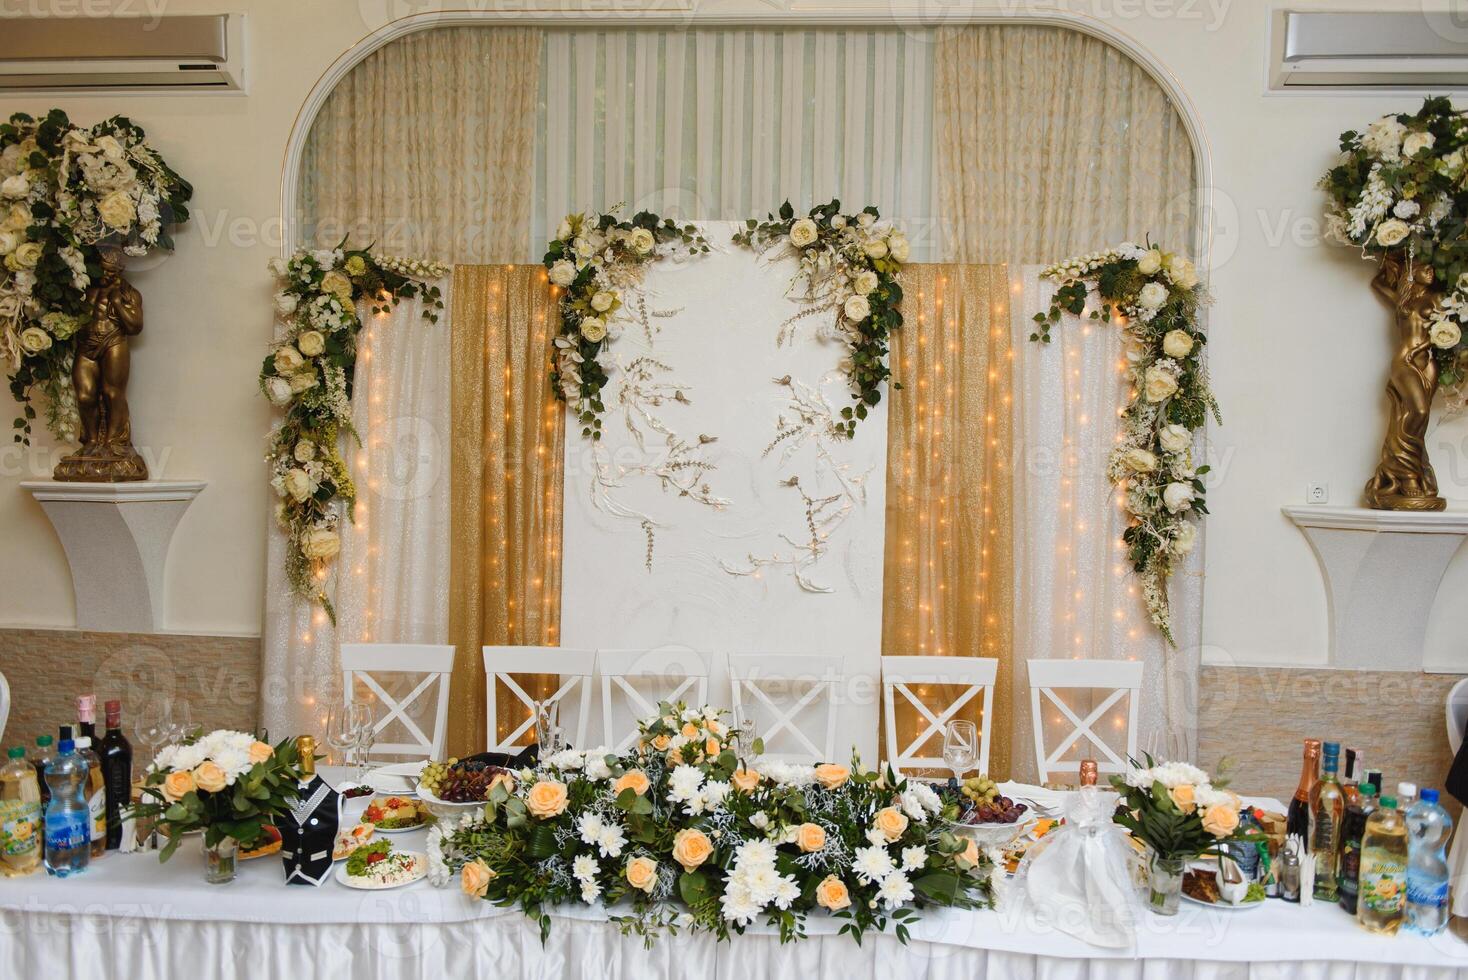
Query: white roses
{"x": 1445, "y": 334}
{"x": 641, "y": 240}
{"x": 803, "y": 233}
{"x": 1175, "y": 438}
{"x": 1150, "y": 262}
{"x": 297, "y": 484}
{"x": 278, "y": 390}
{"x": 15, "y": 187}
{"x": 1158, "y": 384}
{"x": 1415, "y": 143}
{"x": 1140, "y": 460}
{"x": 1152, "y": 296}
{"x": 1183, "y": 538}
{"x": 593, "y": 328}
{"x": 563, "y": 273}
{"x": 1392, "y": 232}
{"x": 34, "y": 340}
{"x": 1178, "y": 497}
{"x": 320, "y": 543}
{"x": 898, "y": 247}
{"x": 857, "y": 309}
{"x": 311, "y": 343}
{"x": 9, "y": 240}
{"x": 305, "y": 451}
{"x": 865, "y": 282}
{"x": 876, "y": 248}
{"x": 288, "y": 360}
{"x": 1177, "y": 343}
{"x": 117, "y": 210}
{"x": 285, "y": 303}
{"x": 601, "y": 300}
{"x": 1182, "y": 272}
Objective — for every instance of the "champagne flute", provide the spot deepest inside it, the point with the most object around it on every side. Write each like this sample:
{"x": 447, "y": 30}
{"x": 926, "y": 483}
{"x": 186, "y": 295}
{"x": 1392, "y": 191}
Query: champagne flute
{"x": 960, "y": 747}
{"x": 364, "y": 730}
{"x": 744, "y": 730}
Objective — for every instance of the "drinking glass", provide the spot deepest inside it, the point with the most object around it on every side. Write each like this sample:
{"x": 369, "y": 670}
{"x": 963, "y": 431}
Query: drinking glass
{"x": 548, "y": 734}
{"x": 154, "y": 726}
{"x": 182, "y": 727}
{"x": 364, "y": 731}
{"x": 960, "y": 747}
{"x": 744, "y": 731}
{"x": 341, "y": 737}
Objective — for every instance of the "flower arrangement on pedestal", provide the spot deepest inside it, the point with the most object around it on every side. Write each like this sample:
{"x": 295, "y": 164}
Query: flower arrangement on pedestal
{"x": 308, "y": 374}
{"x": 849, "y": 264}
{"x": 228, "y": 784}
{"x": 694, "y": 837}
{"x": 1397, "y": 194}
{"x": 67, "y": 192}
{"x": 1155, "y": 296}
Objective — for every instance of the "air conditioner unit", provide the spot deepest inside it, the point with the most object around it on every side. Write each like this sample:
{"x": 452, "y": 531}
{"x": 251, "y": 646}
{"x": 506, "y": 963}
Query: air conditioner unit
{"x": 192, "y": 52}
{"x": 1369, "y": 51}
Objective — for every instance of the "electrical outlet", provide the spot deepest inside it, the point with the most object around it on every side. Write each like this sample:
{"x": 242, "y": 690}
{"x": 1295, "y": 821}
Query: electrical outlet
{"x": 1317, "y": 493}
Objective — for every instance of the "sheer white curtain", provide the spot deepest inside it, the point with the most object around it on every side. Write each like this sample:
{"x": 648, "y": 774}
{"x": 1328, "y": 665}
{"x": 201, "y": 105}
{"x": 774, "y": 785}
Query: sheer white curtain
{"x": 391, "y": 579}
{"x": 728, "y": 124}
{"x": 1075, "y": 592}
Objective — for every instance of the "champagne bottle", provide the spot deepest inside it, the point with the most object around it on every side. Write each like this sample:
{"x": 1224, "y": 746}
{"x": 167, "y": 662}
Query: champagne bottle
{"x": 1297, "y": 821}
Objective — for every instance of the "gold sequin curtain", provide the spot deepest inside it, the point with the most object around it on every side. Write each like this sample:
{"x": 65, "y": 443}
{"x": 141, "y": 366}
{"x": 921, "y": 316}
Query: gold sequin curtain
{"x": 505, "y": 579}
{"x": 949, "y": 544}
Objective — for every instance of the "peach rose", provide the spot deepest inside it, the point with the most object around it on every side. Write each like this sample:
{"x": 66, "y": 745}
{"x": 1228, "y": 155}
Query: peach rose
{"x": 1221, "y": 820}
{"x": 259, "y": 752}
{"x": 475, "y": 878}
{"x": 831, "y": 894}
{"x": 178, "y": 783}
{"x": 634, "y": 779}
{"x": 546, "y": 799}
{"x": 830, "y": 775}
{"x": 691, "y": 848}
{"x": 745, "y": 780}
{"x": 892, "y": 822}
{"x": 661, "y": 742}
{"x": 642, "y": 874}
{"x": 811, "y": 837}
{"x": 1182, "y": 798}
{"x": 209, "y": 777}
{"x": 969, "y": 857}
{"x": 711, "y": 747}
{"x": 690, "y": 730}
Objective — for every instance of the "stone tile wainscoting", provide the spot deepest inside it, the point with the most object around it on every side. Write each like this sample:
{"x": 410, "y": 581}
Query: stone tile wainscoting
{"x": 1253, "y": 717}
{"x": 1257, "y": 719}
{"x": 219, "y": 676}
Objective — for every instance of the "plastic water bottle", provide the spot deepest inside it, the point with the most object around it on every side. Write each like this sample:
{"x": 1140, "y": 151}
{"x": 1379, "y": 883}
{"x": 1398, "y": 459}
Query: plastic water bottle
{"x": 1428, "y": 830}
{"x": 68, "y": 818}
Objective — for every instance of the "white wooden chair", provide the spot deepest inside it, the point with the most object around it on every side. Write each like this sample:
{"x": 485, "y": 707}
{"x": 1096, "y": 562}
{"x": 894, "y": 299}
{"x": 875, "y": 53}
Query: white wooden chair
{"x": 4, "y": 703}
{"x": 575, "y": 669}
{"x": 1123, "y": 678}
{"x": 436, "y": 661}
{"x": 752, "y": 677}
{"x": 1457, "y": 715}
{"x": 900, "y": 675}
{"x": 639, "y": 679}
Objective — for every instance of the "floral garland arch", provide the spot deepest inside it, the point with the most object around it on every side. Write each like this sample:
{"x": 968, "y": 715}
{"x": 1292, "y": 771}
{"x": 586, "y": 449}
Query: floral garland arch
{"x": 308, "y": 374}
{"x": 66, "y": 193}
{"x": 1155, "y": 296}
{"x": 849, "y": 265}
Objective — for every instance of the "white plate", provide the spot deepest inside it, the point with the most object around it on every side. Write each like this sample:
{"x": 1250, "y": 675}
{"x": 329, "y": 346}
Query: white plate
{"x": 399, "y": 779}
{"x": 1224, "y": 906}
{"x": 401, "y": 830}
{"x": 420, "y": 871}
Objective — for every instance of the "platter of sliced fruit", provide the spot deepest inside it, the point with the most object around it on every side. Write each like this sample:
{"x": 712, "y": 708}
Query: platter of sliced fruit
{"x": 454, "y": 786}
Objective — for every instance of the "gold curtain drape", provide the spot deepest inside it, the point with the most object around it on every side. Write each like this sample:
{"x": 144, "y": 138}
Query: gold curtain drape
{"x": 427, "y": 147}
{"x": 949, "y": 544}
{"x": 1035, "y": 166}
{"x": 505, "y": 577}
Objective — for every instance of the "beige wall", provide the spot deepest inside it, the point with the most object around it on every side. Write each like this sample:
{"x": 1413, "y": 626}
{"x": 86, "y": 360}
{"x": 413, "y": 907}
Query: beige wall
{"x": 1298, "y": 352}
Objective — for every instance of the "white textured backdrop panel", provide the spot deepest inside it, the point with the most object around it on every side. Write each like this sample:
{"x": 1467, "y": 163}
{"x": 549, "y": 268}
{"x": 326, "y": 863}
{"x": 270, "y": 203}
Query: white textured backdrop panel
{"x": 721, "y": 350}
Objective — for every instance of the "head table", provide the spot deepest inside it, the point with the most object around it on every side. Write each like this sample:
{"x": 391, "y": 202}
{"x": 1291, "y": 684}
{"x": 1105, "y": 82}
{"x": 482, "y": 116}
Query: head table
{"x": 128, "y": 917}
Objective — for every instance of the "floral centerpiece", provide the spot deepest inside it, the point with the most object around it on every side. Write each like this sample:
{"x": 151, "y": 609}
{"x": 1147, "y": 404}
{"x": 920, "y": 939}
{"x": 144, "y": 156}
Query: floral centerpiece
{"x": 66, "y": 193}
{"x": 690, "y": 836}
{"x": 308, "y": 374}
{"x": 1155, "y": 296}
{"x": 593, "y": 260}
{"x": 849, "y": 264}
{"x": 1177, "y": 811}
{"x": 230, "y": 785}
{"x": 1397, "y": 193}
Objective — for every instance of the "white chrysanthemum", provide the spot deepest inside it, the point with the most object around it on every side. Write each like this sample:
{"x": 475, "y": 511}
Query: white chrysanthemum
{"x": 590, "y": 892}
{"x": 684, "y": 783}
{"x": 611, "y": 841}
{"x": 567, "y": 759}
{"x": 584, "y": 868}
{"x": 914, "y": 857}
{"x": 895, "y": 890}
{"x": 715, "y": 792}
{"x": 589, "y": 827}
{"x": 756, "y": 852}
{"x": 872, "y": 864}
{"x": 596, "y": 763}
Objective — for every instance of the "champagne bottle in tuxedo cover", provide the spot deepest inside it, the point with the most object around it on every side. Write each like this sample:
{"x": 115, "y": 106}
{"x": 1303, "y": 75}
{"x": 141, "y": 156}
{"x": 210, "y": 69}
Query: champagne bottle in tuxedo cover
{"x": 308, "y": 830}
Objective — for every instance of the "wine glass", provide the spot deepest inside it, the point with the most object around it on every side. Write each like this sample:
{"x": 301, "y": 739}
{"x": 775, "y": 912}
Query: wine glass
{"x": 960, "y": 747}
{"x": 182, "y": 726}
{"x": 744, "y": 730}
{"x": 341, "y": 737}
{"x": 153, "y": 728}
{"x": 548, "y": 734}
{"x": 364, "y": 733}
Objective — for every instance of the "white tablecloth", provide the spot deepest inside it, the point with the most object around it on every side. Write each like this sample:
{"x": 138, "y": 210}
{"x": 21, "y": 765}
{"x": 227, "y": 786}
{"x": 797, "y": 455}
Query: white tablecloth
{"x": 129, "y": 918}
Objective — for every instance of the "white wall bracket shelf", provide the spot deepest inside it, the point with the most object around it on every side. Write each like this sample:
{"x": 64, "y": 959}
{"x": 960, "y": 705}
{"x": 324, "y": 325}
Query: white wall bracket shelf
{"x": 116, "y": 538}
{"x": 1382, "y": 569}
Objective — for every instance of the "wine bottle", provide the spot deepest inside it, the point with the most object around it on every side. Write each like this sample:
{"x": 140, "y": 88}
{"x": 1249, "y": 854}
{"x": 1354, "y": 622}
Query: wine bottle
{"x": 117, "y": 773}
{"x": 1297, "y": 821}
{"x": 1328, "y": 803}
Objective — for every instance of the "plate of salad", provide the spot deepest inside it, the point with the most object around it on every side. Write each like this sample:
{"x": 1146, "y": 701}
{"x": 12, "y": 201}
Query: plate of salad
{"x": 376, "y": 866}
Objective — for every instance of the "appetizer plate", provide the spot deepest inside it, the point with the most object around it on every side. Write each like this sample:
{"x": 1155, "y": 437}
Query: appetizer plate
{"x": 1224, "y": 906}
{"x": 420, "y": 871}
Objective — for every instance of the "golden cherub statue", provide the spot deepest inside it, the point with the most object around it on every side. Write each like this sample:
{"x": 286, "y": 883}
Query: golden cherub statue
{"x": 99, "y": 376}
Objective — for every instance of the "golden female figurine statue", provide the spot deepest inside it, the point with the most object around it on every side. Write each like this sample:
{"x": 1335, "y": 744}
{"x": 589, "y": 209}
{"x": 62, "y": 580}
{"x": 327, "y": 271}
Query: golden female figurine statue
{"x": 1404, "y": 478}
{"x": 99, "y": 375}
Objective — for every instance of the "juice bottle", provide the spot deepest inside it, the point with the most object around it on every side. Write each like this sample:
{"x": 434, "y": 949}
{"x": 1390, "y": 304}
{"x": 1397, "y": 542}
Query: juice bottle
{"x": 1382, "y": 902}
{"x": 20, "y": 816}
